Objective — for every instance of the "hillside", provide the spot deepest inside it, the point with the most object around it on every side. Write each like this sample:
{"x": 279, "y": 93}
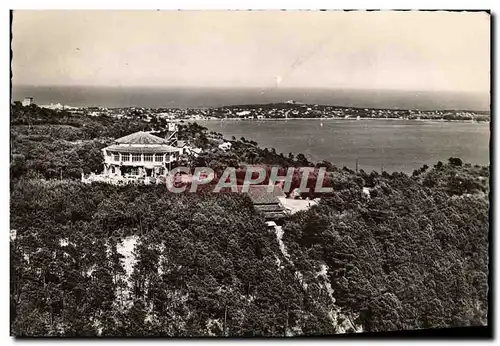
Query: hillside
{"x": 140, "y": 261}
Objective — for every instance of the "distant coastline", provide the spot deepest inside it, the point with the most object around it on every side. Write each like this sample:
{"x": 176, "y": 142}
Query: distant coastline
{"x": 339, "y": 118}
{"x": 203, "y": 98}
{"x": 273, "y": 111}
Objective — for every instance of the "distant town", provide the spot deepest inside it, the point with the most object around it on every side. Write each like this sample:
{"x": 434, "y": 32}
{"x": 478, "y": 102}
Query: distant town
{"x": 285, "y": 110}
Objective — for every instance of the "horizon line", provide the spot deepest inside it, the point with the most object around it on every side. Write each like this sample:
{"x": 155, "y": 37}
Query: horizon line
{"x": 263, "y": 88}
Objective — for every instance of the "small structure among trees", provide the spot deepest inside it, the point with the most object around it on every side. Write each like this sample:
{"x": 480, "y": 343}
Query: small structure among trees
{"x": 267, "y": 202}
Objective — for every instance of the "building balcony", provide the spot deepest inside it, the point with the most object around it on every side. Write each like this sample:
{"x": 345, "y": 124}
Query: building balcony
{"x": 142, "y": 162}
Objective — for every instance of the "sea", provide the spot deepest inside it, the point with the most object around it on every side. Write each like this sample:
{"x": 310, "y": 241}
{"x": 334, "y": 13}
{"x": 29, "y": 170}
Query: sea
{"x": 85, "y": 96}
{"x": 377, "y": 144}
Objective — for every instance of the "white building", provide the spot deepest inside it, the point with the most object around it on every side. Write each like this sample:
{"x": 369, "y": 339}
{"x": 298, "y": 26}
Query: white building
{"x": 139, "y": 154}
{"x": 28, "y": 101}
{"x": 139, "y": 157}
{"x": 58, "y": 106}
{"x": 243, "y": 113}
{"x": 225, "y": 146}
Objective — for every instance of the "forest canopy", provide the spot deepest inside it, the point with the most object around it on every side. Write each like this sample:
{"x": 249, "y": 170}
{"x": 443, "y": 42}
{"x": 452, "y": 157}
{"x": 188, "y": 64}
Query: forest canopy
{"x": 383, "y": 252}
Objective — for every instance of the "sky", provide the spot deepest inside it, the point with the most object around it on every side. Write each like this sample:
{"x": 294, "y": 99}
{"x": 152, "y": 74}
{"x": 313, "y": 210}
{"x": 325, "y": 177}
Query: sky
{"x": 424, "y": 51}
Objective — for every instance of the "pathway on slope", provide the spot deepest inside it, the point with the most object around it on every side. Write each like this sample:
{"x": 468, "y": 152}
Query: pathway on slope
{"x": 126, "y": 248}
{"x": 335, "y": 313}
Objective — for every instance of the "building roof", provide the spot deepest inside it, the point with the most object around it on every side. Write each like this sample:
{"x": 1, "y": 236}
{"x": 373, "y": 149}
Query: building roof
{"x": 266, "y": 202}
{"x": 141, "y": 137}
{"x": 156, "y": 149}
{"x": 259, "y": 194}
{"x": 141, "y": 142}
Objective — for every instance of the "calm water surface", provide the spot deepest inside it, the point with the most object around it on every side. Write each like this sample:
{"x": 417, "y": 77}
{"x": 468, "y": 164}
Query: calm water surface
{"x": 394, "y": 145}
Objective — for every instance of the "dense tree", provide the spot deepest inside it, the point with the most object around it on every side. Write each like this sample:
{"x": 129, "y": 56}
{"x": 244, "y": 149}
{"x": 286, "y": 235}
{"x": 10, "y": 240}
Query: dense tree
{"x": 99, "y": 259}
{"x": 196, "y": 265}
{"x": 408, "y": 256}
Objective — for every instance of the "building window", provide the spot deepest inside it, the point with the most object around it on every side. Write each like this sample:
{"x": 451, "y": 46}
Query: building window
{"x": 158, "y": 157}
{"x": 167, "y": 157}
{"x": 134, "y": 171}
{"x": 148, "y": 157}
{"x": 116, "y": 156}
{"x": 125, "y": 157}
{"x": 136, "y": 157}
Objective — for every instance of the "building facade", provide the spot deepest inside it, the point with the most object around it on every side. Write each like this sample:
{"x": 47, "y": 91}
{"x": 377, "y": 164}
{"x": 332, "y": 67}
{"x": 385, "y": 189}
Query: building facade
{"x": 139, "y": 156}
{"x": 28, "y": 101}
